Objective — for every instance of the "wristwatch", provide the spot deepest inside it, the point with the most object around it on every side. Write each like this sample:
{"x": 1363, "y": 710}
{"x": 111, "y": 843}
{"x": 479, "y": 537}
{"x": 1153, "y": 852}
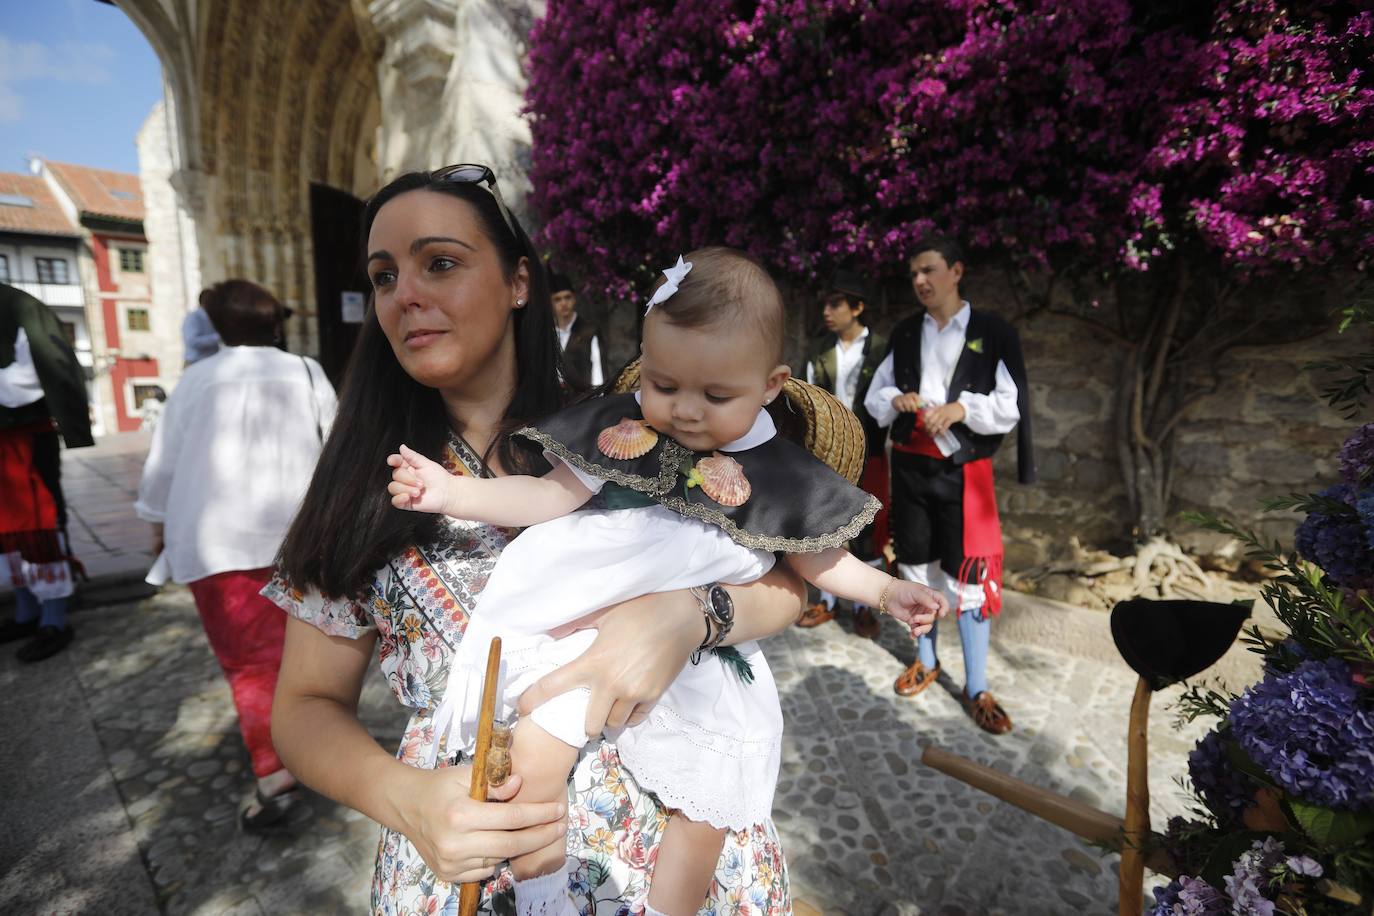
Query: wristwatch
{"x": 718, "y": 609}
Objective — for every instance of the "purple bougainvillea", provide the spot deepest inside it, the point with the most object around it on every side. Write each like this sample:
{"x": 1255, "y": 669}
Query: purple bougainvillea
{"x": 1047, "y": 134}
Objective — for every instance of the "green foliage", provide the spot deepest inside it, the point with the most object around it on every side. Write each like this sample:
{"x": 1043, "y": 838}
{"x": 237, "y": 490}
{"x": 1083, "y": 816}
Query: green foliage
{"x": 1331, "y": 829}
{"x": 1325, "y": 621}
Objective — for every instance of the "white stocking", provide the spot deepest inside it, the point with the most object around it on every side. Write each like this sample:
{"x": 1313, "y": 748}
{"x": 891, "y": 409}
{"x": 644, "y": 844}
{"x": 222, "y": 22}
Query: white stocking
{"x": 546, "y": 895}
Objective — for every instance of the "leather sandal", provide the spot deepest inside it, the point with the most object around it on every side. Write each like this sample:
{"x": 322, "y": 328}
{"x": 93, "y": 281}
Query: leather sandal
{"x": 816, "y": 615}
{"x": 915, "y": 679}
{"x": 987, "y": 713}
{"x": 272, "y": 809}
{"x": 866, "y": 623}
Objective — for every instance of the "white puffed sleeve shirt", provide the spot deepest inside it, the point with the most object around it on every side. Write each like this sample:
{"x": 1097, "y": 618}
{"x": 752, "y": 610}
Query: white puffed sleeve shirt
{"x": 231, "y": 459}
{"x": 985, "y": 414}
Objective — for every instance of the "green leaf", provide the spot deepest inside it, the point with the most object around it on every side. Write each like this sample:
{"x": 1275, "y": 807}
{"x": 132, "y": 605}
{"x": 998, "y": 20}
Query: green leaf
{"x": 598, "y": 871}
{"x": 1330, "y": 828}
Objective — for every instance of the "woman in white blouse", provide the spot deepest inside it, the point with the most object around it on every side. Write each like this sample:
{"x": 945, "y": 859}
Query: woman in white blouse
{"x": 230, "y": 461}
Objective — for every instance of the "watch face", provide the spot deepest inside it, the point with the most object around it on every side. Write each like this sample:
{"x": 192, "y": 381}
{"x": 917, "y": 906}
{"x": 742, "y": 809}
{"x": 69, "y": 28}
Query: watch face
{"x": 722, "y": 608}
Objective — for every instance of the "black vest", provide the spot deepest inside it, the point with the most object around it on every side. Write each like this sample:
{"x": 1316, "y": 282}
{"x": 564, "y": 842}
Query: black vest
{"x": 823, "y": 364}
{"x": 577, "y": 355}
{"x": 987, "y": 341}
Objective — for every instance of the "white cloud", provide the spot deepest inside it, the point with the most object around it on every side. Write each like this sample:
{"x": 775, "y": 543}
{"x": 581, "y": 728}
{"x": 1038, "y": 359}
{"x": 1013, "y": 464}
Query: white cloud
{"x": 65, "y": 61}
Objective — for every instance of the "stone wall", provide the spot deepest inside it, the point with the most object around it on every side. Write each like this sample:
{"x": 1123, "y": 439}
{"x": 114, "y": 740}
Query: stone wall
{"x": 1264, "y": 432}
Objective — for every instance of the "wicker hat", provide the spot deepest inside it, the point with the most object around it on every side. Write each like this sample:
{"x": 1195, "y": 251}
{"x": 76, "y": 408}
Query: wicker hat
{"x": 810, "y": 416}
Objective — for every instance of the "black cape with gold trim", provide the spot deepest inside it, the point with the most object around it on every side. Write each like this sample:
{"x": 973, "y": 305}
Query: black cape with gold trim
{"x": 797, "y": 504}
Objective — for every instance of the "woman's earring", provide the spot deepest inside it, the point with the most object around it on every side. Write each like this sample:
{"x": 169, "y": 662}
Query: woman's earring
{"x": 519, "y": 303}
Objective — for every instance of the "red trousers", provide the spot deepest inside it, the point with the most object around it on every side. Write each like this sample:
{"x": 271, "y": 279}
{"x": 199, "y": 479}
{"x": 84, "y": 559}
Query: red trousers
{"x": 246, "y": 632}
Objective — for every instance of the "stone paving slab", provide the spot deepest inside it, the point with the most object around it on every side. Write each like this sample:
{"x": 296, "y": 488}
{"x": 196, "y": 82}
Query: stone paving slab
{"x": 149, "y": 768}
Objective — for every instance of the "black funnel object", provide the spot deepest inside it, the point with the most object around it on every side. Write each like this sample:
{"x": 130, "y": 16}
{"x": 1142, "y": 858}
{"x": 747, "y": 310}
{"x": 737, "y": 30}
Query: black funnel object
{"x": 1168, "y": 641}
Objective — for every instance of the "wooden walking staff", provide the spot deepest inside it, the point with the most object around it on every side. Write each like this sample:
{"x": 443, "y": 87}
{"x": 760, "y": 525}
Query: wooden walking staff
{"x": 470, "y": 892}
{"x": 1164, "y": 642}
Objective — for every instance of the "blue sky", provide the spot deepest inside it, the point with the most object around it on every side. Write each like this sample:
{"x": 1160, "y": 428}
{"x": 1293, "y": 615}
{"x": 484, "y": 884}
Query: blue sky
{"x": 77, "y": 80}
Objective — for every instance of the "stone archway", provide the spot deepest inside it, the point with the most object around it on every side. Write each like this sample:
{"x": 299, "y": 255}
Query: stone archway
{"x": 270, "y": 99}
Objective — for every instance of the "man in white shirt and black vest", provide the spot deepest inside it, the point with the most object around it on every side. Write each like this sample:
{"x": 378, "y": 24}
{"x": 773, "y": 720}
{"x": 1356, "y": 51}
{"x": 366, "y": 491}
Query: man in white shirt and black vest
{"x": 579, "y": 340}
{"x": 952, "y": 386}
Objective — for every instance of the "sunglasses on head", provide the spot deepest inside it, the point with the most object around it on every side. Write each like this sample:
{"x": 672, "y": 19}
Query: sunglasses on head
{"x": 483, "y": 177}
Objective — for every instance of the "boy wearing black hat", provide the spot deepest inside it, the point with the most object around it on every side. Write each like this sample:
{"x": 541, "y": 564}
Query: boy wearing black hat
{"x": 579, "y": 340}
{"x": 843, "y": 362}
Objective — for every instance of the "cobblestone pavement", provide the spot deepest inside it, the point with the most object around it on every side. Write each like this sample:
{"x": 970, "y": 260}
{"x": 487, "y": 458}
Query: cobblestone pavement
{"x": 866, "y": 828}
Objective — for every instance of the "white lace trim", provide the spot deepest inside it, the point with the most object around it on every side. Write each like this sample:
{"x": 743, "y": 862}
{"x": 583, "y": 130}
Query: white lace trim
{"x": 728, "y": 784}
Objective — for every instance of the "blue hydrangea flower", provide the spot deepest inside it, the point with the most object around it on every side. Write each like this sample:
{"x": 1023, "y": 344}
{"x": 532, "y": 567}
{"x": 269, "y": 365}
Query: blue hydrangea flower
{"x": 1304, "y": 865}
{"x": 1338, "y": 543}
{"x": 1364, "y": 506}
{"x": 1357, "y": 457}
{"x": 1312, "y": 731}
{"x": 1249, "y": 879}
{"x": 1225, "y": 790}
{"x": 1189, "y": 897}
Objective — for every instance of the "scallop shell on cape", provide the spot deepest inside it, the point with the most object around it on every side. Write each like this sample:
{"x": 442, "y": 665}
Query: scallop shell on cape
{"x": 627, "y": 439}
{"x": 722, "y": 479}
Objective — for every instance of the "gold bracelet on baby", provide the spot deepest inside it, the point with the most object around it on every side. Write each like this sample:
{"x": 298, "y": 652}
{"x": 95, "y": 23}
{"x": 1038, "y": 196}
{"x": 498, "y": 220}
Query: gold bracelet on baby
{"x": 886, "y": 593}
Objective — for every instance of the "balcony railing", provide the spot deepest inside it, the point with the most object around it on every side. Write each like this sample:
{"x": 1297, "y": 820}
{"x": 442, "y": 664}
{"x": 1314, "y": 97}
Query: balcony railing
{"x": 51, "y": 293}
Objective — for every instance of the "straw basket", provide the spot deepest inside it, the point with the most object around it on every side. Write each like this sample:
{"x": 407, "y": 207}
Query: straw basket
{"x": 807, "y": 415}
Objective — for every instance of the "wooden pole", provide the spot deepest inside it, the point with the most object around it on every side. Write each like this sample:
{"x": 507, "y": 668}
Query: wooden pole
{"x": 470, "y": 892}
{"x": 1132, "y": 885}
{"x": 1091, "y": 824}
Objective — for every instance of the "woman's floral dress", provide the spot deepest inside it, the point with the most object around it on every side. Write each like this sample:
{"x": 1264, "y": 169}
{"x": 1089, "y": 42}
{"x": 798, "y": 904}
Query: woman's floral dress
{"x": 418, "y": 605}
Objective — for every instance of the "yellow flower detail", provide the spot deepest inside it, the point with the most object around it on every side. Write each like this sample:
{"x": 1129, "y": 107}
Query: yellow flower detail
{"x": 694, "y": 478}
{"x": 410, "y": 628}
{"x": 602, "y": 840}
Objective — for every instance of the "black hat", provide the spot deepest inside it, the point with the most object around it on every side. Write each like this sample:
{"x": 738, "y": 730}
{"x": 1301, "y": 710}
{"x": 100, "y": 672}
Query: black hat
{"x": 851, "y": 284}
{"x": 1169, "y": 641}
{"x": 559, "y": 282}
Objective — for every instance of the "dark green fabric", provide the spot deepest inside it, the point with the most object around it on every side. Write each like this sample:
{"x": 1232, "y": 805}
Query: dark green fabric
{"x": 60, "y": 375}
{"x": 614, "y": 496}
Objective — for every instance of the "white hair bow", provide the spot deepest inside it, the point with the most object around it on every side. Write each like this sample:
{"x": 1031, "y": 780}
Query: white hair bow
{"x": 673, "y": 276}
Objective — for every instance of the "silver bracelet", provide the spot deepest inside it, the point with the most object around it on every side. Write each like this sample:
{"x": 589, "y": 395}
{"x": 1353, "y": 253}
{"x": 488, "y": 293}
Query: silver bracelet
{"x": 709, "y": 641}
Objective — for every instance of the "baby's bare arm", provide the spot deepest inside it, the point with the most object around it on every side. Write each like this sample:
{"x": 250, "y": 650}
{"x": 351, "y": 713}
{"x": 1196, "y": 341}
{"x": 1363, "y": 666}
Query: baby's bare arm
{"x": 422, "y": 485}
{"x": 517, "y": 501}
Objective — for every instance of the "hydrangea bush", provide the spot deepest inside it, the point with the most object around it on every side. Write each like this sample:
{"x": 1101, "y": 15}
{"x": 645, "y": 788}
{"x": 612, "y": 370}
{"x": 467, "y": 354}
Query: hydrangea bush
{"x": 1286, "y": 780}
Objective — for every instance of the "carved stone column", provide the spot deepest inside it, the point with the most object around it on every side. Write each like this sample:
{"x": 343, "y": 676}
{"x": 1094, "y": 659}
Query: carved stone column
{"x": 419, "y": 40}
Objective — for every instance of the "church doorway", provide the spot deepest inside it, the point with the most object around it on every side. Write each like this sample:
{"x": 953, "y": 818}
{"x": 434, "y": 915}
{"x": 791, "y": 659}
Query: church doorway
{"x": 340, "y": 281}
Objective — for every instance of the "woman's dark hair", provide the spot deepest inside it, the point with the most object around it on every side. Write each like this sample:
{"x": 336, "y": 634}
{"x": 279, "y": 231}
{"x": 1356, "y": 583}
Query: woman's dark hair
{"x": 243, "y": 313}
{"x": 346, "y": 527}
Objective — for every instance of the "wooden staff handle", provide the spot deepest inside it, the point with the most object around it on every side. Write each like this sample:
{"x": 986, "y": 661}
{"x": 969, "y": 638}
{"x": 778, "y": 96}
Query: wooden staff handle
{"x": 470, "y": 892}
{"x": 1132, "y": 881}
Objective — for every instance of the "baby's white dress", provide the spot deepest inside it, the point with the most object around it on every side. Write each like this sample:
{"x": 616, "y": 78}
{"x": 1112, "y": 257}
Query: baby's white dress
{"x": 711, "y": 745}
